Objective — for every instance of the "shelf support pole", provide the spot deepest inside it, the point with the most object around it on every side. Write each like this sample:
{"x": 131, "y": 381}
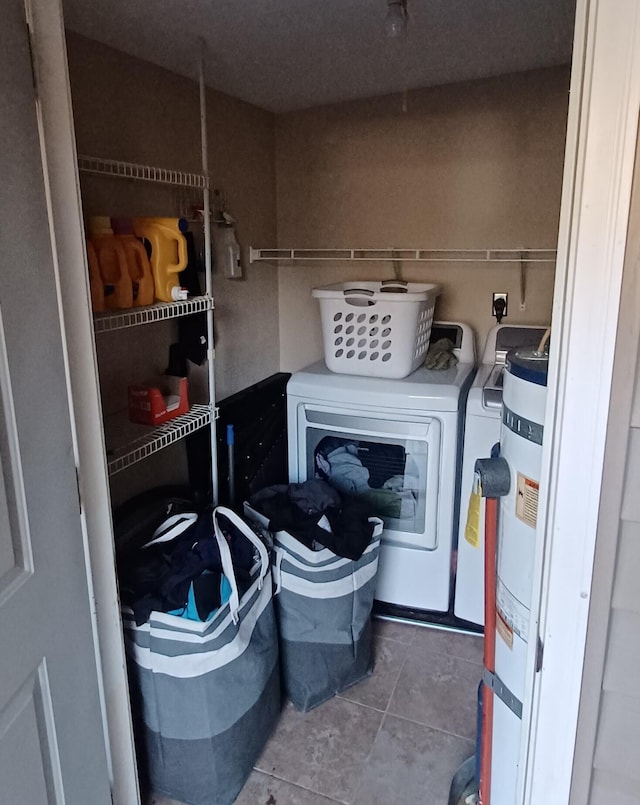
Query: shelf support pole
{"x": 208, "y": 275}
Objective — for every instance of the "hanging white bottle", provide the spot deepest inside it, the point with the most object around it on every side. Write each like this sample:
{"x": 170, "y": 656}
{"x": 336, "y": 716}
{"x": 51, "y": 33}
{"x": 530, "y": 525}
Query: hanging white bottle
{"x": 227, "y": 249}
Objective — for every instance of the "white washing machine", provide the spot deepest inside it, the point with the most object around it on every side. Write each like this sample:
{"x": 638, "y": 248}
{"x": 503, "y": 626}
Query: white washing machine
{"x": 481, "y": 432}
{"x": 396, "y": 444}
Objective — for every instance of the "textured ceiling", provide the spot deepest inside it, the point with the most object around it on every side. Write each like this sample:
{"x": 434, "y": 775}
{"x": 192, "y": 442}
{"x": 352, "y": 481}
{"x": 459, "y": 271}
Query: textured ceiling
{"x": 291, "y": 54}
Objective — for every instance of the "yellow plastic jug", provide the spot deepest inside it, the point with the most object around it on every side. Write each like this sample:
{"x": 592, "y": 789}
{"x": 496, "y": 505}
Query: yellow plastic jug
{"x": 137, "y": 262}
{"x": 168, "y": 254}
{"x": 112, "y": 263}
{"x": 95, "y": 280}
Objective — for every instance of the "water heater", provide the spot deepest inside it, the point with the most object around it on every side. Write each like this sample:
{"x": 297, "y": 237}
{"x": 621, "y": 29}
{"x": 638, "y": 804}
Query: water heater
{"x": 521, "y": 435}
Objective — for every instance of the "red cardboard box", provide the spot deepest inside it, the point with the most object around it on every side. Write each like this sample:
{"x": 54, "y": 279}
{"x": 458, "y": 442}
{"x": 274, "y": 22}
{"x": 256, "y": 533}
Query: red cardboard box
{"x": 159, "y": 400}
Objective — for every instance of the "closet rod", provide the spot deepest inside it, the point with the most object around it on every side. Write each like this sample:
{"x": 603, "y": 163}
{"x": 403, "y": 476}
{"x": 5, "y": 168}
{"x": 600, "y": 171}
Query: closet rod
{"x": 517, "y": 256}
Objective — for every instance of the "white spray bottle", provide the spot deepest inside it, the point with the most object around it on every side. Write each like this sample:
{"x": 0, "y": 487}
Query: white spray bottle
{"x": 227, "y": 250}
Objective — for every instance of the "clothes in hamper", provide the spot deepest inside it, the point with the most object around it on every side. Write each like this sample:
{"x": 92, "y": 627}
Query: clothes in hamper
{"x": 314, "y": 496}
{"x": 323, "y": 605}
{"x": 207, "y": 593}
{"x": 161, "y": 577}
{"x": 207, "y": 696}
{"x": 350, "y": 530}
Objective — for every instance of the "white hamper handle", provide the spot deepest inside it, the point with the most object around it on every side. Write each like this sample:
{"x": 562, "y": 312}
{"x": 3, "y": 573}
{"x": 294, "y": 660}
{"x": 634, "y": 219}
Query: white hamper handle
{"x": 359, "y": 296}
{"x": 394, "y": 286}
{"x": 172, "y": 527}
{"x": 225, "y": 554}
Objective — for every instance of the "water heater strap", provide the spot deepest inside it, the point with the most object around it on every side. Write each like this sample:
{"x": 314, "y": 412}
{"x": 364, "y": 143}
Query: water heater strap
{"x": 494, "y": 682}
{"x": 531, "y": 431}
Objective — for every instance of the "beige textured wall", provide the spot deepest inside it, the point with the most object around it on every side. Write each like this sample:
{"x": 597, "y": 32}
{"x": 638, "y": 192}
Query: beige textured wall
{"x": 128, "y": 109}
{"x": 474, "y": 165}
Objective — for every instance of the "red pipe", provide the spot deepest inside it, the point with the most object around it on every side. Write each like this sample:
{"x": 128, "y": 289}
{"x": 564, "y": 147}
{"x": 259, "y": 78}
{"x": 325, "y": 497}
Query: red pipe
{"x": 490, "y": 553}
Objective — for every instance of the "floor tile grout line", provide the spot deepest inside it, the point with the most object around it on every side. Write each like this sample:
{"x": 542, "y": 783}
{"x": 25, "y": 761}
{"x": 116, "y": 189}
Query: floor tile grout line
{"x": 376, "y": 710}
{"x": 395, "y": 684}
{"x": 370, "y": 706}
{"x": 360, "y": 704}
{"x": 368, "y": 757}
{"x": 431, "y": 727}
{"x": 379, "y": 712}
{"x": 453, "y": 656}
{"x": 303, "y": 787}
{"x": 413, "y": 642}
{"x": 392, "y": 639}
{"x": 387, "y": 712}
{"x": 382, "y": 720}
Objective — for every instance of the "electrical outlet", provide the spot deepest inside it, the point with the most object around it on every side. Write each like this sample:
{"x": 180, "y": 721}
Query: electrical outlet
{"x": 499, "y": 306}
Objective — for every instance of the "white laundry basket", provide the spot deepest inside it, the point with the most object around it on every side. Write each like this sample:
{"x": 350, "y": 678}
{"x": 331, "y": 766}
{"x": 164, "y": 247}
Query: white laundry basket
{"x": 378, "y": 329}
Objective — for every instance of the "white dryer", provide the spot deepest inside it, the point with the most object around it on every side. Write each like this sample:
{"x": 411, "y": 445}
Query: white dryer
{"x": 481, "y": 432}
{"x": 406, "y": 434}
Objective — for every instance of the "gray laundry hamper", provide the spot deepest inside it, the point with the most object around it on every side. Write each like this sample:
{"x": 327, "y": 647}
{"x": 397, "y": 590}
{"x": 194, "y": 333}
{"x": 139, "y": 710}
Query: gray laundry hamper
{"x": 323, "y": 606}
{"x": 208, "y": 692}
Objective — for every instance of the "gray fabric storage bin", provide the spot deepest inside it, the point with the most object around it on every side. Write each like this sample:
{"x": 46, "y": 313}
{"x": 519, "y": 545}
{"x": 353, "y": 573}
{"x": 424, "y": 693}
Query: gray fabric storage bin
{"x": 323, "y": 606}
{"x": 208, "y": 693}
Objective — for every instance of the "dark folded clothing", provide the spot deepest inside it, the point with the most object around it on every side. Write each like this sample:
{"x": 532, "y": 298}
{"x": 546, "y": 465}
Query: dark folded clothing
{"x": 350, "y": 532}
{"x": 314, "y": 496}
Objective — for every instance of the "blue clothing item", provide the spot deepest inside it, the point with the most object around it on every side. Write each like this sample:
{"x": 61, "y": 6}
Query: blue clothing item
{"x": 193, "y": 609}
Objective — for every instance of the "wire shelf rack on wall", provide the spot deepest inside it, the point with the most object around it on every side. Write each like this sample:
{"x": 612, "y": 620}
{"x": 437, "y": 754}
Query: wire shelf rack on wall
{"x": 162, "y": 311}
{"x": 146, "y": 173}
{"x": 412, "y": 255}
{"x": 155, "y": 439}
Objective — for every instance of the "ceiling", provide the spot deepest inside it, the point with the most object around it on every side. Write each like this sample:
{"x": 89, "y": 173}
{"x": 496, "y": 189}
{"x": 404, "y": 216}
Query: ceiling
{"x": 292, "y": 54}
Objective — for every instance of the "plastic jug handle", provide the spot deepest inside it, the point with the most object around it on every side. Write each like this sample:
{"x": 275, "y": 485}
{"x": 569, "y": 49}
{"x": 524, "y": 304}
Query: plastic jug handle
{"x": 140, "y": 257}
{"x": 182, "y": 251}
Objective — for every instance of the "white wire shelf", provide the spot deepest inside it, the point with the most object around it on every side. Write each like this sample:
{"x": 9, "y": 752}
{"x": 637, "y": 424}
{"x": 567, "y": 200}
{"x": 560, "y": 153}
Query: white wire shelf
{"x": 132, "y": 317}
{"x": 414, "y": 255}
{"x": 153, "y": 440}
{"x": 145, "y": 173}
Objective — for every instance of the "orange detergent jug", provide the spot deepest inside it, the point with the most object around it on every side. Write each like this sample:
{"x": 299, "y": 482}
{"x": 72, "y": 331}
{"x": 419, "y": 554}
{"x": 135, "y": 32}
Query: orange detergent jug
{"x": 137, "y": 262}
{"x": 168, "y": 254}
{"x": 95, "y": 280}
{"x": 112, "y": 263}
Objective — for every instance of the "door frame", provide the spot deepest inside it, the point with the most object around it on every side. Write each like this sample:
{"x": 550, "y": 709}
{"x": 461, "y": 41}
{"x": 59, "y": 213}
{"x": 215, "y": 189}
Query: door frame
{"x": 51, "y": 75}
{"x": 599, "y": 163}
{"x": 600, "y": 151}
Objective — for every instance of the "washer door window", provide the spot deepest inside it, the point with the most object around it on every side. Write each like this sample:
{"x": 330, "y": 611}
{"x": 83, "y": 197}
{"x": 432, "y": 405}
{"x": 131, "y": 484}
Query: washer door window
{"x": 390, "y": 465}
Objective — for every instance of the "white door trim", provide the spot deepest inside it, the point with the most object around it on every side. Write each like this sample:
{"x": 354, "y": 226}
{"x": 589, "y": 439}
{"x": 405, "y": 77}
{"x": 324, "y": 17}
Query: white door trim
{"x": 601, "y": 146}
{"x": 56, "y": 118}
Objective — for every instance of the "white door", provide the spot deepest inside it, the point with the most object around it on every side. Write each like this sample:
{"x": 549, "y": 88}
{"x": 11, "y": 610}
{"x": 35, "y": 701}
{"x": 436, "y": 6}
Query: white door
{"x": 52, "y": 746}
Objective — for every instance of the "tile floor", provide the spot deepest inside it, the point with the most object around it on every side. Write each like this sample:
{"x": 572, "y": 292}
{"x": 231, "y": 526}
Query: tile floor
{"x": 394, "y": 739}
